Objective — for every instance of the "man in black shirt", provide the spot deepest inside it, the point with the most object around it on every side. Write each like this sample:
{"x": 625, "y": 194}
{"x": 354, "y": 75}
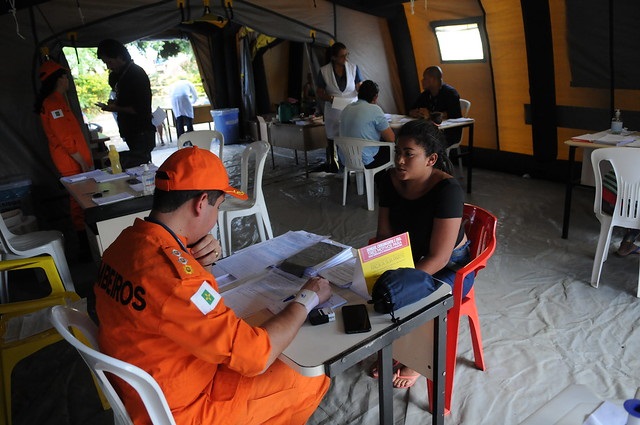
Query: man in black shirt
{"x": 132, "y": 102}
{"x": 438, "y": 97}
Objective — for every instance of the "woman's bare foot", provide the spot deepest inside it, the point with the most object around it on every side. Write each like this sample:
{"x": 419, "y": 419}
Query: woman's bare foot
{"x": 405, "y": 378}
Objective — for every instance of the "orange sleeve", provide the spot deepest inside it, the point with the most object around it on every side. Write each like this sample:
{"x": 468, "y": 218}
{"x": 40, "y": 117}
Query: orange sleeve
{"x": 219, "y": 336}
{"x": 61, "y": 126}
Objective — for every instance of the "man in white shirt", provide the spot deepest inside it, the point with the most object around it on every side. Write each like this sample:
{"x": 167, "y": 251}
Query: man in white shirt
{"x": 183, "y": 96}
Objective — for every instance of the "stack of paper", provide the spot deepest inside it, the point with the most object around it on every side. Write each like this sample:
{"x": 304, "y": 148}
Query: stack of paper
{"x": 607, "y": 138}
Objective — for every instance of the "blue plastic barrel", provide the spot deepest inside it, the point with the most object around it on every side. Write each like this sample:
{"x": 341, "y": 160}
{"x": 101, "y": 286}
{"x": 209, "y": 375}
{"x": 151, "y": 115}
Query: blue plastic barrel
{"x": 226, "y": 122}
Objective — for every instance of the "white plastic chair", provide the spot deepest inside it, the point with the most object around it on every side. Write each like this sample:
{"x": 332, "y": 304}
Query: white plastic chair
{"x": 233, "y": 208}
{"x": 351, "y": 148}
{"x": 465, "y": 105}
{"x": 627, "y": 210}
{"x": 204, "y": 139}
{"x": 49, "y": 242}
{"x": 66, "y": 318}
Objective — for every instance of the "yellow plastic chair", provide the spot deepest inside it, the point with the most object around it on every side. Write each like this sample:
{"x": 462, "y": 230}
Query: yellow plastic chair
{"x": 45, "y": 263}
{"x": 14, "y": 350}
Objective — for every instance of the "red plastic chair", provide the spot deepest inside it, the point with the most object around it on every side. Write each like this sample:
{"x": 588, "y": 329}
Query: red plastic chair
{"x": 480, "y": 227}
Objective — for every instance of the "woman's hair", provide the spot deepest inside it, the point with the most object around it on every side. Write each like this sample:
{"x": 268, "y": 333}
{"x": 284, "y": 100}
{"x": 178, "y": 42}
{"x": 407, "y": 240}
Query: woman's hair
{"x": 336, "y": 48}
{"x": 47, "y": 87}
{"x": 427, "y": 135}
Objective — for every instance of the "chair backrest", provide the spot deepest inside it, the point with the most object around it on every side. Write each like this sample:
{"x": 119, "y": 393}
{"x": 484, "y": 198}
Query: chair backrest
{"x": 5, "y": 238}
{"x": 465, "y": 105}
{"x": 625, "y": 164}
{"x": 204, "y": 139}
{"x": 351, "y": 148}
{"x": 264, "y": 129}
{"x": 259, "y": 149}
{"x": 480, "y": 228}
{"x": 64, "y": 319}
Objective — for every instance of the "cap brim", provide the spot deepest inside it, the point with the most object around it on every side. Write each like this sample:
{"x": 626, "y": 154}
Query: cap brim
{"x": 236, "y": 193}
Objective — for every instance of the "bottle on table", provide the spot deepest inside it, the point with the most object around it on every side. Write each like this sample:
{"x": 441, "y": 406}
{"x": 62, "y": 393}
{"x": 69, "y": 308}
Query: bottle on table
{"x": 148, "y": 180}
{"x": 114, "y": 158}
{"x": 616, "y": 123}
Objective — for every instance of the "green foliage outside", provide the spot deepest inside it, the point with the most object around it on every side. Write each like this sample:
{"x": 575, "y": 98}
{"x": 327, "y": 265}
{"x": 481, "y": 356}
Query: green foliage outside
{"x": 172, "y": 60}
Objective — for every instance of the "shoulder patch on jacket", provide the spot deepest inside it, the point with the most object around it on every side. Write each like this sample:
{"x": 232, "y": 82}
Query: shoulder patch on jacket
{"x": 206, "y": 298}
{"x": 184, "y": 264}
{"x": 57, "y": 114}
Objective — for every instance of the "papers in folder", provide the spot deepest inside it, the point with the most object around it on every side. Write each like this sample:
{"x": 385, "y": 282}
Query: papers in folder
{"x": 314, "y": 259}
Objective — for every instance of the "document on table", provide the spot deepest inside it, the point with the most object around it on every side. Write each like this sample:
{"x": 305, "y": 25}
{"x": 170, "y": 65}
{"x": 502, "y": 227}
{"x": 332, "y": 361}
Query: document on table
{"x": 113, "y": 198}
{"x": 340, "y": 275}
{"x": 273, "y": 286}
{"x": 609, "y": 414}
{"x": 82, "y": 176}
{"x": 454, "y": 120}
{"x": 255, "y": 258}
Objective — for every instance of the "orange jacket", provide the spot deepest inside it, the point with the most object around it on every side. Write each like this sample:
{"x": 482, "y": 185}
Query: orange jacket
{"x": 64, "y": 134}
{"x": 146, "y": 299}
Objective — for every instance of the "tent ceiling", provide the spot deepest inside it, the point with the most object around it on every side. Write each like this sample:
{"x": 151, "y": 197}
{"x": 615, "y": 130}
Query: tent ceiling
{"x": 128, "y": 20}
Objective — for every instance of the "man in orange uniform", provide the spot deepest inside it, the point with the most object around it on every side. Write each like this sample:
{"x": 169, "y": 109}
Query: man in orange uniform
{"x": 159, "y": 308}
{"x": 67, "y": 145}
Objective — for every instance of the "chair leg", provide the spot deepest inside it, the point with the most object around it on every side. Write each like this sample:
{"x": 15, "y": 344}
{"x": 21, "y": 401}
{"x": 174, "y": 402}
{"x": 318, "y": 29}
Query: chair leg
{"x": 638, "y": 290}
{"x": 227, "y": 222}
{"x": 223, "y": 237}
{"x": 265, "y": 220}
{"x": 476, "y": 338}
{"x": 260, "y": 225}
{"x": 368, "y": 180}
{"x": 453, "y": 324}
{"x": 345, "y": 176}
{"x": 63, "y": 268}
{"x": 603, "y": 245}
{"x": 359, "y": 182}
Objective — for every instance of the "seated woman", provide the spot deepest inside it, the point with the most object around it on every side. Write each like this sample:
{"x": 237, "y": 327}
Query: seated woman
{"x": 421, "y": 197}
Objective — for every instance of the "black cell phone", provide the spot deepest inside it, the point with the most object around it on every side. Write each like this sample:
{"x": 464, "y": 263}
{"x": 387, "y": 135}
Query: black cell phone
{"x": 356, "y": 318}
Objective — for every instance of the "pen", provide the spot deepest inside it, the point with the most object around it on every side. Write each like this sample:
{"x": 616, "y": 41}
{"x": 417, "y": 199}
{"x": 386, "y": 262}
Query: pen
{"x": 289, "y": 298}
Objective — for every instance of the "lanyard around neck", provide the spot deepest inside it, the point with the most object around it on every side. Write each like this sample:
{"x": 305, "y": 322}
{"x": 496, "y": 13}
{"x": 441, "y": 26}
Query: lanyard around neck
{"x": 159, "y": 223}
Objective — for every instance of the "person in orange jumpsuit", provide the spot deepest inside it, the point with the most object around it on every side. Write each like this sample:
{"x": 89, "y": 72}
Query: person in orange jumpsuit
{"x": 159, "y": 308}
{"x": 67, "y": 145}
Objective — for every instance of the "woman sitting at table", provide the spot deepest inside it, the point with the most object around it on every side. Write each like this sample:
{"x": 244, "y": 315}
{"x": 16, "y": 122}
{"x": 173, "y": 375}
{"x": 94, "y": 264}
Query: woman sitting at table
{"x": 421, "y": 197}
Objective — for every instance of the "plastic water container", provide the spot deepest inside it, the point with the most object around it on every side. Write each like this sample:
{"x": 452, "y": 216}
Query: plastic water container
{"x": 226, "y": 122}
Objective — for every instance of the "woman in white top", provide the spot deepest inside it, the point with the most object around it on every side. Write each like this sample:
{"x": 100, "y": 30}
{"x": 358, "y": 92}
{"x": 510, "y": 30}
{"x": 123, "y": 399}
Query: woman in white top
{"x": 337, "y": 79}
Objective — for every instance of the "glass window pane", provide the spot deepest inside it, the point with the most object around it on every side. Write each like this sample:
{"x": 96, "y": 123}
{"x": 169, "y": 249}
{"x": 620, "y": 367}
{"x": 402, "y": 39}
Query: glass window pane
{"x": 460, "y": 42}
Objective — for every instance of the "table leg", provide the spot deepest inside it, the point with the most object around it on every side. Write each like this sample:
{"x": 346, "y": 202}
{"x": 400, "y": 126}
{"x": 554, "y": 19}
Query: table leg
{"x": 439, "y": 366}
{"x": 385, "y": 387}
{"x": 306, "y": 164}
{"x": 470, "y": 166}
{"x": 568, "y": 193}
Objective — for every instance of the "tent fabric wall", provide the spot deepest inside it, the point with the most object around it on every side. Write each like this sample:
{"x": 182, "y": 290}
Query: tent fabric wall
{"x": 472, "y": 80}
{"x": 369, "y": 43}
